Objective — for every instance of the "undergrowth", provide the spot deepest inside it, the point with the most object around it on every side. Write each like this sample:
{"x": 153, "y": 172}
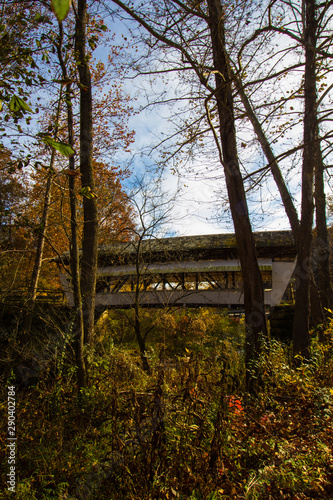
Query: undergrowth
{"x": 189, "y": 431}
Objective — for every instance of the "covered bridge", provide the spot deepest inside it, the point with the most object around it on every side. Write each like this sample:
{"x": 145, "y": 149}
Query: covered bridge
{"x": 188, "y": 271}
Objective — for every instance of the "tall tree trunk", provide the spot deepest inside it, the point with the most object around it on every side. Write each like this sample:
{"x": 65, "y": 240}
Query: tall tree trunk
{"x": 90, "y": 212}
{"x": 301, "y": 337}
{"x": 74, "y": 243}
{"x": 253, "y": 287}
{"x": 316, "y": 310}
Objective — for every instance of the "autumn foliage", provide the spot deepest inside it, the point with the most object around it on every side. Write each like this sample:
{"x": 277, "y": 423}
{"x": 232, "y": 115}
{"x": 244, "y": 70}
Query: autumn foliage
{"x": 188, "y": 431}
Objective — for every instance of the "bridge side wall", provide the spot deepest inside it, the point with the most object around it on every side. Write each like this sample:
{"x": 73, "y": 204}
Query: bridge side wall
{"x": 281, "y": 275}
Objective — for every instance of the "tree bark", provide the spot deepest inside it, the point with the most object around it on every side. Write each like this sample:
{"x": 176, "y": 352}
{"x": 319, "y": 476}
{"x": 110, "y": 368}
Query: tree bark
{"x": 253, "y": 287}
{"x": 90, "y": 212}
{"x": 301, "y": 337}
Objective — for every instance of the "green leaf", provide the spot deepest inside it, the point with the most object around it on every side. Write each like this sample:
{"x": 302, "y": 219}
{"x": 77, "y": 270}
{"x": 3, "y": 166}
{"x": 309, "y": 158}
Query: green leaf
{"x": 60, "y": 8}
{"x": 87, "y": 193}
{"x": 17, "y": 104}
{"x": 63, "y": 148}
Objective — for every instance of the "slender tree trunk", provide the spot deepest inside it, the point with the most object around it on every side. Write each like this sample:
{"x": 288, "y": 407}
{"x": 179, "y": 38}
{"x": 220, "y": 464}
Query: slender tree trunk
{"x": 75, "y": 259}
{"x": 321, "y": 242}
{"x": 137, "y": 320}
{"x": 39, "y": 251}
{"x": 140, "y": 339}
{"x": 90, "y": 212}
{"x": 253, "y": 287}
{"x": 42, "y": 233}
{"x": 74, "y": 243}
{"x": 75, "y": 255}
{"x": 275, "y": 169}
{"x": 301, "y": 337}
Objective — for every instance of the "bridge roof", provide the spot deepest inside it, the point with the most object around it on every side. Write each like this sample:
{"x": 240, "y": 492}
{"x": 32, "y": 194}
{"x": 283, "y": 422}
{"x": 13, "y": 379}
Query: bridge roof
{"x": 270, "y": 244}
